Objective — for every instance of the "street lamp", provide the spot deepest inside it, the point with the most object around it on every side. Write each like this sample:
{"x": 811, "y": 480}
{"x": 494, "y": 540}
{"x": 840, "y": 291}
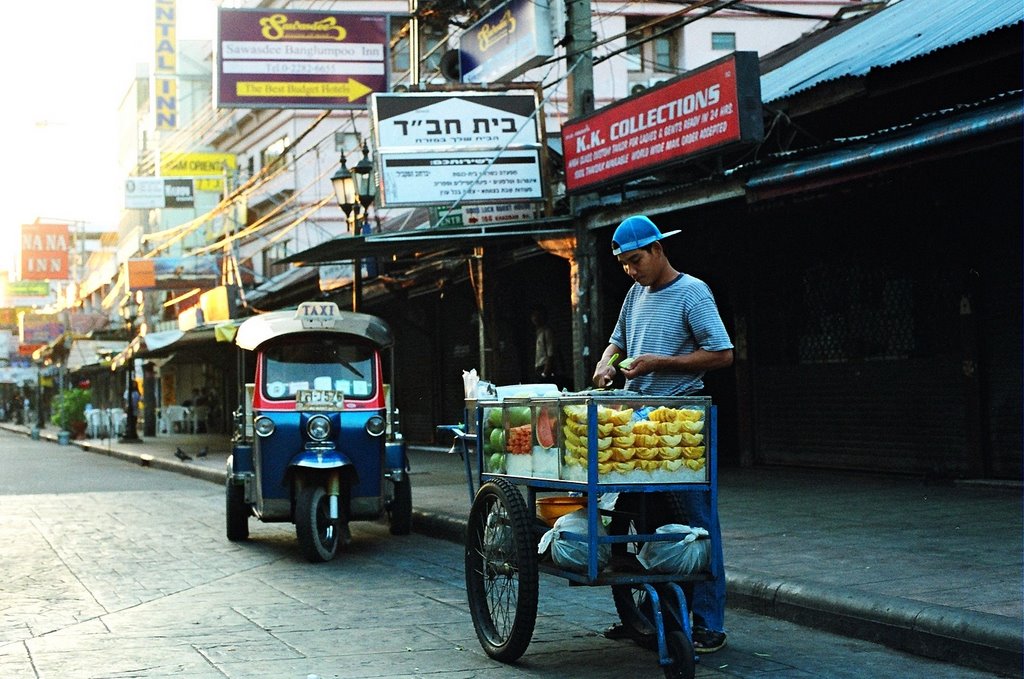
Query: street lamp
{"x": 355, "y": 193}
{"x": 131, "y": 431}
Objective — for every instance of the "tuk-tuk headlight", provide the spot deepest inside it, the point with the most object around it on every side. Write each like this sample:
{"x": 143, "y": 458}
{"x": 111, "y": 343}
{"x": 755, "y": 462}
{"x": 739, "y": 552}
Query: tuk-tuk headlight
{"x": 263, "y": 425}
{"x": 318, "y": 427}
{"x": 375, "y": 426}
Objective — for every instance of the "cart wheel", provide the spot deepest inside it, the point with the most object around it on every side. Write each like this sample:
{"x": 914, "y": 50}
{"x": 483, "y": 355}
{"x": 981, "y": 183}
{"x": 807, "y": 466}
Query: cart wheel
{"x": 400, "y": 507}
{"x": 680, "y": 650}
{"x": 501, "y": 570}
{"x": 632, "y": 601}
{"x": 237, "y": 512}
{"x": 318, "y": 535}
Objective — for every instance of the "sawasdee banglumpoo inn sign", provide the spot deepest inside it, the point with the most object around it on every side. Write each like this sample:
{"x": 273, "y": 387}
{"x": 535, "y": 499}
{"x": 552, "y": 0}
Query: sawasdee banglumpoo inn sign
{"x": 697, "y": 113}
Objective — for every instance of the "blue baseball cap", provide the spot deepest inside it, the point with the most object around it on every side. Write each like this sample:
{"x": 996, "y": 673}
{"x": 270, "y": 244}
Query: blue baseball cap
{"x": 636, "y": 232}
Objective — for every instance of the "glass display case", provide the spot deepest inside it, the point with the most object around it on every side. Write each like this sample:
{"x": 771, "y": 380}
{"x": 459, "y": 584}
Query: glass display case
{"x": 625, "y": 440}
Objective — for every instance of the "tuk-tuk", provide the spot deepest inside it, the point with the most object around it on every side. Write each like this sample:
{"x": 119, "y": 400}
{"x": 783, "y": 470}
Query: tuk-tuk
{"x": 317, "y": 439}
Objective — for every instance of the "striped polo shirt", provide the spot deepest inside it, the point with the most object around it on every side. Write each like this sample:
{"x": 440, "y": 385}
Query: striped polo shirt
{"x": 673, "y": 320}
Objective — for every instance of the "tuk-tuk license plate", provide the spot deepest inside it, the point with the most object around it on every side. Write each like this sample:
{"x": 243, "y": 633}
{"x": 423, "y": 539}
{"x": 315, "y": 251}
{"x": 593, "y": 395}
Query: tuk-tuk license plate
{"x": 319, "y": 399}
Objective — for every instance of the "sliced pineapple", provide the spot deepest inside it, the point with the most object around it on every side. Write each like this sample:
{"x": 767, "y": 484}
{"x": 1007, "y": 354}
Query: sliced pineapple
{"x": 693, "y": 452}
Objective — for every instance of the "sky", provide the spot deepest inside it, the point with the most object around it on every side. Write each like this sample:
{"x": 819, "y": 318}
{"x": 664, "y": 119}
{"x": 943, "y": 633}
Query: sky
{"x": 67, "y": 65}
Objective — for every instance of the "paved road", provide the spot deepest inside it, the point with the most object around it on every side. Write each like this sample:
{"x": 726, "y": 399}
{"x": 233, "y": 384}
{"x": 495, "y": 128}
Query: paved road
{"x": 114, "y": 570}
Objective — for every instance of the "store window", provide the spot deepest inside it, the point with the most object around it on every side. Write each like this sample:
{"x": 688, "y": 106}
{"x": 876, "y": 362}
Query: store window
{"x": 647, "y": 51}
{"x": 723, "y": 41}
{"x": 275, "y": 252}
{"x": 274, "y": 151}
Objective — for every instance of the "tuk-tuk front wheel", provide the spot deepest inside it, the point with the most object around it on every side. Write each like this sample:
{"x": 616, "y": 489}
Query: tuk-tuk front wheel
{"x": 317, "y": 533}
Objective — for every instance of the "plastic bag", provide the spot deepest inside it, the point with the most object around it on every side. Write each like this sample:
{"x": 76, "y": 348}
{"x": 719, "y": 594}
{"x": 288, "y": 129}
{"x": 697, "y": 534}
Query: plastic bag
{"x": 572, "y": 554}
{"x": 681, "y": 557}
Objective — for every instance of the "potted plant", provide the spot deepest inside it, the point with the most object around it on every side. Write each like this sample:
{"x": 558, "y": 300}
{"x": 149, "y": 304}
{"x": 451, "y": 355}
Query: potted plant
{"x": 69, "y": 410}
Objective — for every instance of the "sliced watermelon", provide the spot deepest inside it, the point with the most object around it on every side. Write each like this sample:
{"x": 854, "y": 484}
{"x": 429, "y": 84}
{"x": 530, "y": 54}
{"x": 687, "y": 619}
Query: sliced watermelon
{"x": 545, "y": 429}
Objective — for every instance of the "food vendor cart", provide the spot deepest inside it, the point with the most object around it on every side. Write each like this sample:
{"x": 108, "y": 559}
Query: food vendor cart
{"x": 586, "y": 447}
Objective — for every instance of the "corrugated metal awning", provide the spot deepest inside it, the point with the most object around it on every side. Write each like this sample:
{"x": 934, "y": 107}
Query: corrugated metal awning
{"x": 1005, "y": 116}
{"x": 902, "y": 31}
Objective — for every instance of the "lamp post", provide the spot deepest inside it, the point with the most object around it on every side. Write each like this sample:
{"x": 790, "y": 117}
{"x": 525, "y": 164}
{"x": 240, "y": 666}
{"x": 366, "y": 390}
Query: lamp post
{"x": 354, "y": 191}
{"x": 131, "y": 431}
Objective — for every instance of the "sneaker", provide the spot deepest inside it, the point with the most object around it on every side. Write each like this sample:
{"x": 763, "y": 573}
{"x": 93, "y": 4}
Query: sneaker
{"x": 706, "y": 640}
{"x": 618, "y": 631}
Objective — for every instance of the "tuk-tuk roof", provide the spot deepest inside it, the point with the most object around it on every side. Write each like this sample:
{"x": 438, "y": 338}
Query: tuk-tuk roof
{"x": 260, "y": 329}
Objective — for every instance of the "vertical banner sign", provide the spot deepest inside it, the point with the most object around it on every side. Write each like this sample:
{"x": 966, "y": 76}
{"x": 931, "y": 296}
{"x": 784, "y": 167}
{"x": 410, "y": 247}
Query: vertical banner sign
{"x": 288, "y": 58}
{"x": 44, "y": 251}
{"x": 700, "y": 112}
{"x": 165, "y": 90}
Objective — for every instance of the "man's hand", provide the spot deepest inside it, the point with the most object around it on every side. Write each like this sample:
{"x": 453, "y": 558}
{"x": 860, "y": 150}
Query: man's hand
{"x": 639, "y": 365}
{"x": 603, "y": 375}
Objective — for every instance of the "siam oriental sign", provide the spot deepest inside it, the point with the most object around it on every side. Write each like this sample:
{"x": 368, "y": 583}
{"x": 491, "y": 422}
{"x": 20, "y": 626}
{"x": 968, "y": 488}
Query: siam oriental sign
{"x": 300, "y": 58}
{"x": 44, "y": 251}
{"x": 699, "y": 112}
{"x": 458, "y": 147}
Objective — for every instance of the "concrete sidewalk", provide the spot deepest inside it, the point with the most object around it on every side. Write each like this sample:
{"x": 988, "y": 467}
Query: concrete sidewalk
{"x": 933, "y": 569}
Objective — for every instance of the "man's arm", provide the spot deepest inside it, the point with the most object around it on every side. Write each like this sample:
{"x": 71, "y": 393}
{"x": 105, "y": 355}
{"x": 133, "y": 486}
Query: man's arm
{"x": 698, "y": 361}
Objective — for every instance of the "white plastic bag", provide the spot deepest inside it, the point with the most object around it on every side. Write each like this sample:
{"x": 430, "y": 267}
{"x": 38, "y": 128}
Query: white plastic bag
{"x": 680, "y": 557}
{"x": 572, "y": 554}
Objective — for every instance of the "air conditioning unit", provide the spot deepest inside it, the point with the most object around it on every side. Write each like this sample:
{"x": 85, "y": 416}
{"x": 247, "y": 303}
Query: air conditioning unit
{"x": 638, "y": 87}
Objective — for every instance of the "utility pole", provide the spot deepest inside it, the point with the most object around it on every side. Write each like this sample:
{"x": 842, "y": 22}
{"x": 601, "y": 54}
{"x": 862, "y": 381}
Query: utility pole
{"x": 583, "y": 267}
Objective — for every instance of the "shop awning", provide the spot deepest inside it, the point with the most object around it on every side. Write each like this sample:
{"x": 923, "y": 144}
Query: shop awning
{"x": 429, "y": 241}
{"x": 998, "y": 118}
{"x": 276, "y": 284}
{"x": 164, "y": 343}
{"x": 86, "y": 354}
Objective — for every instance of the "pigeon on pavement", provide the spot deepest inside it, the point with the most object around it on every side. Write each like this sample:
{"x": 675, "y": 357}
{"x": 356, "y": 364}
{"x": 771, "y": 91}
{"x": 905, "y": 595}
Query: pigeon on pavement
{"x": 181, "y": 454}
{"x": 202, "y": 452}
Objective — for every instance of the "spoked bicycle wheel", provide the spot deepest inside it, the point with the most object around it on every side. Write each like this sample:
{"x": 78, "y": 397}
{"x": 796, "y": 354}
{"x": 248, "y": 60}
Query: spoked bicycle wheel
{"x": 501, "y": 570}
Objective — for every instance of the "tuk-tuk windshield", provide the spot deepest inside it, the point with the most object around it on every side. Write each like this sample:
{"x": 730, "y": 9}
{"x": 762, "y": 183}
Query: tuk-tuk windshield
{"x": 324, "y": 362}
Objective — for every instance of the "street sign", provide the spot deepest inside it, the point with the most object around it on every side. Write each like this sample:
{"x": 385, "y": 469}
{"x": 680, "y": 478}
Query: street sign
{"x": 457, "y": 147}
{"x": 287, "y": 58}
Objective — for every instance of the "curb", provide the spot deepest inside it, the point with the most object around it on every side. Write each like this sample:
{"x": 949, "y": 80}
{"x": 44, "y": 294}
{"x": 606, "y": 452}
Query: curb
{"x": 963, "y": 637}
{"x": 218, "y": 476}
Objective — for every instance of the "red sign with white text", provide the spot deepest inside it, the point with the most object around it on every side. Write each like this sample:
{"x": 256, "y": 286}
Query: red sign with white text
{"x": 44, "y": 251}
{"x": 694, "y": 113}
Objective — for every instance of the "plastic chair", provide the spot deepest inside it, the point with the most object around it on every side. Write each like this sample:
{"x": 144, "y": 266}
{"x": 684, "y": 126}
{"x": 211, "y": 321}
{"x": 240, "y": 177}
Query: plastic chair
{"x": 117, "y": 421}
{"x": 96, "y": 424}
{"x": 175, "y": 419}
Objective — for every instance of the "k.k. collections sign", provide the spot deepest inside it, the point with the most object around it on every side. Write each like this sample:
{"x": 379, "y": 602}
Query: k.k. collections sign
{"x": 699, "y": 112}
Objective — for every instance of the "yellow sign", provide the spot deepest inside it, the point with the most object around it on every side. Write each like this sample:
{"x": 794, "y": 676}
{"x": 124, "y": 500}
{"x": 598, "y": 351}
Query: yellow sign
{"x": 351, "y": 90}
{"x": 197, "y": 165}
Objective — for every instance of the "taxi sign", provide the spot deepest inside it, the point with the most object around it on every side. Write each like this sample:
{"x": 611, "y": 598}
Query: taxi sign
{"x": 319, "y": 399}
{"x": 317, "y": 314}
